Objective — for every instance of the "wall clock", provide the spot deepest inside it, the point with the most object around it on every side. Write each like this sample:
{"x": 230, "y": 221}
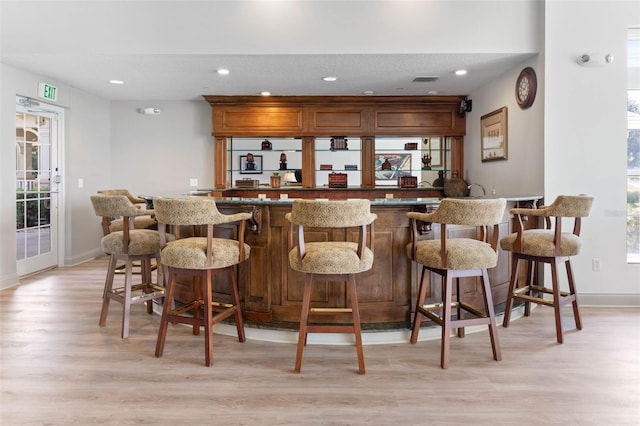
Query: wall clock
{"x": 526, "y": 86}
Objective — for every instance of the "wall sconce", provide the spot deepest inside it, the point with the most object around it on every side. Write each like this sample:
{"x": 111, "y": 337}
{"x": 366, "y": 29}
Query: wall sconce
{"x": 594, "y": 59}
{"x": 149, "y": 111}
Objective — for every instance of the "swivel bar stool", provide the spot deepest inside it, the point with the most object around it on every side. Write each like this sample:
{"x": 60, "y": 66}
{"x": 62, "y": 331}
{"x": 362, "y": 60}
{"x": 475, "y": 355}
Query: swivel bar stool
{"x": 200, "y": 258}
{"x": 330, "y": 260}
{"x": 457, "y": 258}
{"x": 547, "y": 246}
{"x": 128, "y": 245}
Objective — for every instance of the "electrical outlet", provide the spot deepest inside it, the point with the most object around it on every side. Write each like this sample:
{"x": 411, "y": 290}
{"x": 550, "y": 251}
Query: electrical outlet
{"x": 193, "y": 182}
{"x": 595, "y": 265}
{"x": 80, "y": 183}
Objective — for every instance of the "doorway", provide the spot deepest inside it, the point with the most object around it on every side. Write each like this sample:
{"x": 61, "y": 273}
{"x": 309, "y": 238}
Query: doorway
{"x": 38, "y": 136}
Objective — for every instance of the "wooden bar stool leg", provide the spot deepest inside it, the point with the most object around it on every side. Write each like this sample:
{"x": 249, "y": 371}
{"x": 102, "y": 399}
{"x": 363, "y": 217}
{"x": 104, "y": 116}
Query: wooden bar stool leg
{"x": 304, "y": 319}
{"x": 197, "y": 291}
{"x": 446, "y": 321}
{"x": 459, "y": 330}
{"x": 531, "y": 275}
{"x": 108, "y": 286}
{"x": 488, "y": 307}
{"x": 556, "y": 299}
{"x": 515, "y": 262}
{"x": 572, "y": 291}
{"x": 422, "y": 293}
{"x": 208, "y": 321}
{"x": 146, "y": 268}
{"x": 236, "y": 302}
{"x": 128, "y": 277}
{"x": 351, "y": 284}
{"x": 166, "y": 310}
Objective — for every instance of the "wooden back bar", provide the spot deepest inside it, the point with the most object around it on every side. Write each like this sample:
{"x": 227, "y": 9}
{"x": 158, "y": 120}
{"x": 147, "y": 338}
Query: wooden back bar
{"x": 308, "y": 117}
{"x": 336, "y": 115}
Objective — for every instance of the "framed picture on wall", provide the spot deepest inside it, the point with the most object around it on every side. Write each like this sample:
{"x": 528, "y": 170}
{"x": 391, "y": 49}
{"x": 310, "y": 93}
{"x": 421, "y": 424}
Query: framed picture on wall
{"x": 251, "y": 164}
{"x": 493, "y": 135}
{"x": 392, "y": 166}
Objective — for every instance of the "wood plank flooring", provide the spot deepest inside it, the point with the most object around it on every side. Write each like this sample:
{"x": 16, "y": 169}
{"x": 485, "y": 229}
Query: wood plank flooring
{"x": 59, "y": 368}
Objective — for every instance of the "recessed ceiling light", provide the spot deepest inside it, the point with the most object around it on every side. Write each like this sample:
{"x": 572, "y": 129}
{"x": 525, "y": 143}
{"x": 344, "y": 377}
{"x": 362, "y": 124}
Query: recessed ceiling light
{"x": 265, "y": 93}
{"x": 432, "y": 92}
{"x": 223, "y": 71}
{"x": 368, "y": 92}
{"x": 116, "y": 81}
{"x": 329, "y": 78}
{"x": 461, "y": 72}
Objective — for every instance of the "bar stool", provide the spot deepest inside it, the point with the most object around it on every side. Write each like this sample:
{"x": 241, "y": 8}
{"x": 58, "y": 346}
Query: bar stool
{"x": 547, "y": 246}
{"x": 331, "y": 261}
{"x": 457, "y": 258}
{"x": 142, "y": 220}
{"x": 128, "y": 245}
{"x": 200, "y": 258}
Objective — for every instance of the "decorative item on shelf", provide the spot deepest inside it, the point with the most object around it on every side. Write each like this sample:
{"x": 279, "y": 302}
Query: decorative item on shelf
{"x": 386, "y": 165}
{"x": 339, "y": 143}
{"x": 456, "y": 186}
{"x": 298, "y": 175}
{"x": 410, "y": 146}
{"x": 275, "y": 180}
{"x": 351, "y": 167}
{"x": 439, "y": 182}
{"x": 289, "y": 178}
{"x": 251, "y": 163}
{"x": 408, "y": 182}
{"x": 426, "y": 162}
{"x": 326, "y": 166}
{"x": 337, "y": 180}
{"x": 283, "y": 161}
{"x": 247, "y": 183}
{"x": 266, "y": 145}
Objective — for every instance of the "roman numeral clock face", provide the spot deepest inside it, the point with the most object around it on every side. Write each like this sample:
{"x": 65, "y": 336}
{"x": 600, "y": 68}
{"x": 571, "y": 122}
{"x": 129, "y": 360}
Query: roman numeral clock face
{"x": 526, "y": 86}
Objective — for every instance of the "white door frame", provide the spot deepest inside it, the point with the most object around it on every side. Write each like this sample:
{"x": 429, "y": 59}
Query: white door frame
{"x": 56, "y": 256}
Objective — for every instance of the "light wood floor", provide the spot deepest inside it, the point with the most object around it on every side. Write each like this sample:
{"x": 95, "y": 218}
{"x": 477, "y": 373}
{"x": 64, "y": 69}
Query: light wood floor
{"x": 59, "y": 368}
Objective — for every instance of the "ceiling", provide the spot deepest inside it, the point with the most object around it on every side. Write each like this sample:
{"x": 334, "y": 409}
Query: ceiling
{"x": 176, "y": 67}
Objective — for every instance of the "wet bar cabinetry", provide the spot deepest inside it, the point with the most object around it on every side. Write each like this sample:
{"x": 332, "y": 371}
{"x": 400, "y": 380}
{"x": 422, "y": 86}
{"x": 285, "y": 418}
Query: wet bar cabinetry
{"x": 304, "y": 127}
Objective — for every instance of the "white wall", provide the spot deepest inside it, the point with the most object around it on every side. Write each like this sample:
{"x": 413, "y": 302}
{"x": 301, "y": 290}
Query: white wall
{"x": 523, "y": 170}
{"x": 585, "y": 136}
{"x": 159, "y": 154}
{"x": 87, "y": 157}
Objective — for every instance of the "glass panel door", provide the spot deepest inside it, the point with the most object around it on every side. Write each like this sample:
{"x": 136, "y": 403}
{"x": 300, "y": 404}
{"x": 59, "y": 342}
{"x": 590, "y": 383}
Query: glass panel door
{"x": 37, "y": 134}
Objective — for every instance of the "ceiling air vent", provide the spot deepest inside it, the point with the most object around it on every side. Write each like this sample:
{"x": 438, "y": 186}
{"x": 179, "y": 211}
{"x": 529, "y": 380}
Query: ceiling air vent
{"x": 425, "y": 79}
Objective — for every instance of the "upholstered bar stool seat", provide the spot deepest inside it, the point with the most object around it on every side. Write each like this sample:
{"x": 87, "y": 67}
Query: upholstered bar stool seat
{"x": 551, "y": 246}
{"x": 128, "y": 245}
{"x": 455, "y": 258}
{"x": 200, "y": 257}
{"x": 330, "y": 260}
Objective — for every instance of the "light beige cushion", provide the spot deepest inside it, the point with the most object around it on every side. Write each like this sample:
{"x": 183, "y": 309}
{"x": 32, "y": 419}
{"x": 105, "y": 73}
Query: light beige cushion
{"x": 141, "y": 242}
{"x": 539, "y": 242}
{"x": 331, "y": 257}
{"x": 462, "y": 253}
{"x": 191, "y": 253}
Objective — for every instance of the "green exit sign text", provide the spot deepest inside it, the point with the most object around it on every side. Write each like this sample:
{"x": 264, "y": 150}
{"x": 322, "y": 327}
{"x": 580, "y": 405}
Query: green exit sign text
{"x": 47, "y": 91}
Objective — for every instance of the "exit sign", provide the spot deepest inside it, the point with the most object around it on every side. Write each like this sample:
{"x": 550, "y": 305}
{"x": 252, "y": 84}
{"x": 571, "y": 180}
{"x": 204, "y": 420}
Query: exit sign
{"x": 47, "y": 91}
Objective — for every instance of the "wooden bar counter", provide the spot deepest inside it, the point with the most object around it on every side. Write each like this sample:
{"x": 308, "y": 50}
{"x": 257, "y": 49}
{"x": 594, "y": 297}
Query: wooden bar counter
{"x": 272, "y": 292}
